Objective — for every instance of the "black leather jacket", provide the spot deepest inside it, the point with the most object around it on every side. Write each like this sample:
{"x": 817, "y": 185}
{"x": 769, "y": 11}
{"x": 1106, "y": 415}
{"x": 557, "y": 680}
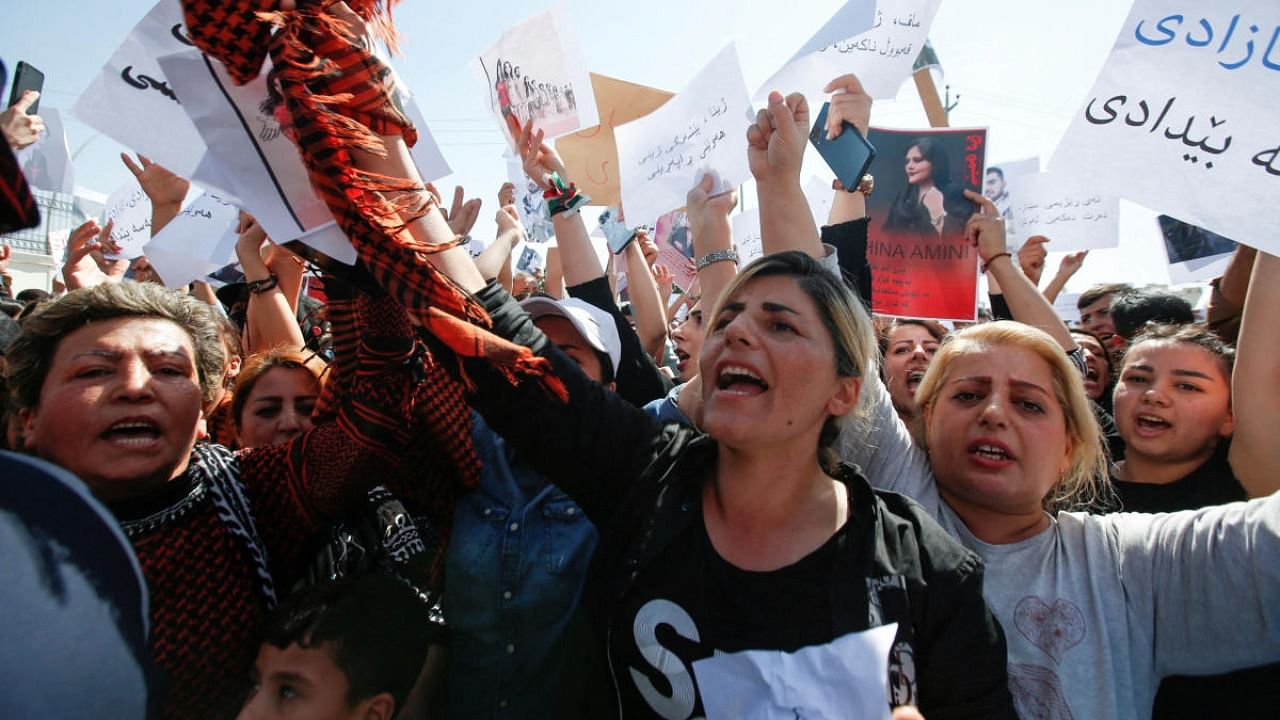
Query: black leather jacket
{"x": 640, "y": 483}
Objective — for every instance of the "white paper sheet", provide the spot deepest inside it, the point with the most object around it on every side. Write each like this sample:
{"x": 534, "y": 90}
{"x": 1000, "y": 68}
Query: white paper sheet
{"x": 129, "y": 211}
{"x": 249, "y": 153}
{"x": 536, "y": 72}
{"x": 1182, "y": 118}
{"x": 702, "y": 129}
{"x": 1071, "y": 213}
{"x": 135, "y": 104}
{"x": 881, "y": 56}
{"x": 199, "y": 241}
{"x": 746, "y": 236}
{"x": 846, "y": 678}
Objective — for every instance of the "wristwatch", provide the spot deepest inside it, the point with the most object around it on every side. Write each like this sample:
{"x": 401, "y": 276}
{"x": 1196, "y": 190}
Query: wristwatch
{"x": 864, "y": 186}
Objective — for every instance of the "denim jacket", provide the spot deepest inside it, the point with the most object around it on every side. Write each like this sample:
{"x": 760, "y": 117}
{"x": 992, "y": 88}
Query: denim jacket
{"x": 514, "y": 572}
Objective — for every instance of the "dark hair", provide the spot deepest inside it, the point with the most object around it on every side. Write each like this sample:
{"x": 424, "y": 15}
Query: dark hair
{"x": 11, "y": 309}
{"x": 1197, "y": 334}
{"x": 996, "y": 170}
{"x": 909, "y": 215}
{"x": 32, "y": 295}
{"x": 9, "y": 330}
{"x": 32, "y": 352}
{"x": 1134, "y": 309}
{"x": 607, "y": 374}
{"x": 259, "y": 364}
{"x": 1097, "y": 292}
{"x": 935, "y": 328}
{"x": 376, "y": 629}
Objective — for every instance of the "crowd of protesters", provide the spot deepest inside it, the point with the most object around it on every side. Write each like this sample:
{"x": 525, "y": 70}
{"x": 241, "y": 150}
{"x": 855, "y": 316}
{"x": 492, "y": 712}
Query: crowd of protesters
{"x": 338, "y": 510}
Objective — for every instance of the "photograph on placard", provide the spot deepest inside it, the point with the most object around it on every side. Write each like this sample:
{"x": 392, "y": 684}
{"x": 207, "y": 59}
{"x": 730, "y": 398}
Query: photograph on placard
{"x": 922, "y": 265}
{"x": 1195, "y": 254}
{"x": 1000, "y": 186}
{"x": 675, "y": 247}
{"x": 536, "y": 74}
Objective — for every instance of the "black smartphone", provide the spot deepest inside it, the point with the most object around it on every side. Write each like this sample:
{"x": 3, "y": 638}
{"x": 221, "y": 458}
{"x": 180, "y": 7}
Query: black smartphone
{"x": 849, "y": 155}
{"x": 27, "y": 77}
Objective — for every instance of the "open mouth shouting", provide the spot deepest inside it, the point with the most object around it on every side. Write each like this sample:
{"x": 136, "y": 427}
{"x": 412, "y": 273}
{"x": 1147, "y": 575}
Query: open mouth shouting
{"x": 739, "y": 380}
{"x": 133, "y": 433}
{"x": 990, "y": 453}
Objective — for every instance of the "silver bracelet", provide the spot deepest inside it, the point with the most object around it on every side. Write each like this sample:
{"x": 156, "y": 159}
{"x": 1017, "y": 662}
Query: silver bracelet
{"x": 716, "y": 256}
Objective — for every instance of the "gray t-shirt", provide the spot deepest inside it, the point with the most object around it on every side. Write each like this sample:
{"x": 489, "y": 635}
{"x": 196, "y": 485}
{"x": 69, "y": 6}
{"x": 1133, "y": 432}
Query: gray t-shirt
{"x": 1096, "y": 609}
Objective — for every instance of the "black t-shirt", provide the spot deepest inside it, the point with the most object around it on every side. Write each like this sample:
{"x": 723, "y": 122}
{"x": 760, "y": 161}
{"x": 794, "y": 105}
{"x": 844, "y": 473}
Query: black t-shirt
{"x": 691, "y": 603}
{"x": 1213, "y": 483}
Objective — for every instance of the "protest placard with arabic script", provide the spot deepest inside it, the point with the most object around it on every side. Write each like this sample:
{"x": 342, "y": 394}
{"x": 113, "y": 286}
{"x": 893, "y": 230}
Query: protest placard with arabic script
{"x": 1182, "y": 118}
{"x": 881, "y": 55}
{"x": 702, "y": 129}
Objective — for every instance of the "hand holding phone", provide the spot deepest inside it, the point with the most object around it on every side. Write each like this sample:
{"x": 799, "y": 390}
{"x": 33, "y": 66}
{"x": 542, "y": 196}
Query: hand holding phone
{"x": 849, "y": 155}
{"x": 27, "y": 77}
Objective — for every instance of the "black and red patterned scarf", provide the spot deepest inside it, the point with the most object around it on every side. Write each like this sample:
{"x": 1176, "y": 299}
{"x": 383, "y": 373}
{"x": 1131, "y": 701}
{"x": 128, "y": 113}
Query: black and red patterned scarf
{"x": 337, "y": 96}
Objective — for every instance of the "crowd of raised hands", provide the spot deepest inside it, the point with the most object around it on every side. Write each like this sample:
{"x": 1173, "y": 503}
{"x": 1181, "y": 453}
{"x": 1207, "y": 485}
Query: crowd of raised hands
{"x": 1058, "y": 518}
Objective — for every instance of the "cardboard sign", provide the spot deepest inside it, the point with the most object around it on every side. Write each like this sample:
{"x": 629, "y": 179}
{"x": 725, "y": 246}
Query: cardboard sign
{"x": 1182, "y": 117}
{"x": 591, "y": 155}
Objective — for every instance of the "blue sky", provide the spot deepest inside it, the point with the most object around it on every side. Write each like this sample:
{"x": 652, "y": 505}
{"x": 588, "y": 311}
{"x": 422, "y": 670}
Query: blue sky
{"x": 1020, "y": 68}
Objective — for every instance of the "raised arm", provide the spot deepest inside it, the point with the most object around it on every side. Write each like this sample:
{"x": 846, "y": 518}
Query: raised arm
{"x": 1255, "y": 400}
{"x": 775, "y": 151}
{"x": 269, "y": 320}
{"x": 712, "y": 233}
{"x": 1067, "y": 269}
{"x": 1205, "y": 583}
{"x": 646, "y": 299}
{"x": 986, "y": 231}
{"x": 361, "y": 421}
{"x": 165, "y": 189}
{"x": 578, "y": 260}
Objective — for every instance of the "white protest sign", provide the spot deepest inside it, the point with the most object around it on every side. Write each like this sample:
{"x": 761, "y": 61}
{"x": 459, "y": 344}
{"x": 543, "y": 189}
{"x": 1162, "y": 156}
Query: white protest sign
{"x": 881, "y": 56}
{"x": 853, "y": 17}
{"x": 1182, "y": 117}
{"x": 846, "y": 678}
{"x": 132, "y": 101}
{"x": 129, "y": 212}
{"x": 1071, "y": 213}
{"x": 536, "y": 72}
{"x": 702, "y": 129}
{"x": 199, "y": 241}
{"x": 746, "y": 236}
{"x": 249, "y": 152}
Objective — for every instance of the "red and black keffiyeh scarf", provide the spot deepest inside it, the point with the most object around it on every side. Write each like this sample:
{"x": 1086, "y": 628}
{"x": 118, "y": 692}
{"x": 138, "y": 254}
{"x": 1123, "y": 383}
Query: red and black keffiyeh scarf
{"x": 336, "y": 96}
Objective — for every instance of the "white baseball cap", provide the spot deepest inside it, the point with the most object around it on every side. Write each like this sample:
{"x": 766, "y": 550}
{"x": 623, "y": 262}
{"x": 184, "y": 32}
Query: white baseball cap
{"x": 594, "y": 325}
